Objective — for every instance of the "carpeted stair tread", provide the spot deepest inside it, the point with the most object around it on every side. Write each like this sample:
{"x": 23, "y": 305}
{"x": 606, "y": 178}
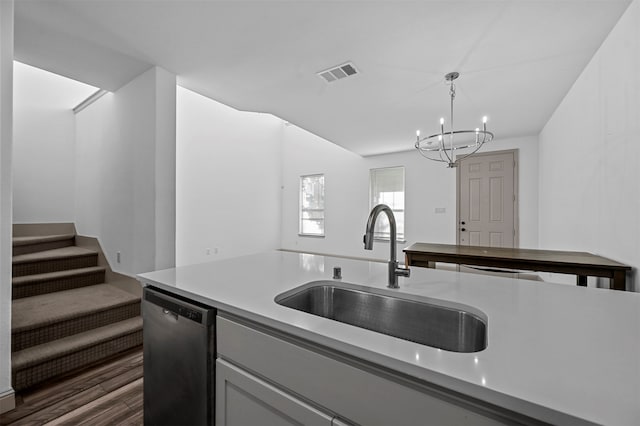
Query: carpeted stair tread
{"x": 59, "y": 253}
{"x": 37, "y": 239}
{"x": 36, "y": 243}
{"x": 27, "y": 279}
{"x": 50, "y": 282}
{"x": 67, "y": 345}
{"x": 58, "y": 259}
{"x": 42, "y": 310}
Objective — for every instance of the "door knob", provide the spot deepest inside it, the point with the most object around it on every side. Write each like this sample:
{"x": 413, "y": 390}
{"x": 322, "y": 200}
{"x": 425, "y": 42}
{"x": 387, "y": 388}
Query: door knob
{"x": 462, "y": 229}
{"x": 462, "y": 223}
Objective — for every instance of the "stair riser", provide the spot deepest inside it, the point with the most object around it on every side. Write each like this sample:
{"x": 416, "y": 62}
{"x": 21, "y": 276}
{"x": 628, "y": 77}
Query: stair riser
{"x": 36, "y": 247}
{"x": 27, "y": 377}
{"x": 54, "y": 265}
{"x": 50, "y": 286}
{"x": 24, "y": 339}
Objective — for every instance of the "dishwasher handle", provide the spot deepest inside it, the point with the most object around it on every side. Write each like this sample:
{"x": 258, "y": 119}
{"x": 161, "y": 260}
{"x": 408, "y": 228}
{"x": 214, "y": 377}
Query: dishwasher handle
{"x": 179, "y": 308}
{"x": 168, "y": 312}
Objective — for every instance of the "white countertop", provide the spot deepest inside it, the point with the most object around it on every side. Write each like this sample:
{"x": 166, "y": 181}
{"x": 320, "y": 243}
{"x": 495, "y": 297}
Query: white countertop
{"x": 553, "y": 349}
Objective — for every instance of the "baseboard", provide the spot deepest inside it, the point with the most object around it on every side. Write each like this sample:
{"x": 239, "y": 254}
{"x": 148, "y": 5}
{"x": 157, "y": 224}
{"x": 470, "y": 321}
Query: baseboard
{"x": 7, "y": 401}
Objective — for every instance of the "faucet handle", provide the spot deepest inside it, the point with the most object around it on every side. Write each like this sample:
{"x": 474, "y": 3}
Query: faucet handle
{"x": 337, "y": 273}
{"x": 367, "y": 239}
{"x": 403, "y": 272}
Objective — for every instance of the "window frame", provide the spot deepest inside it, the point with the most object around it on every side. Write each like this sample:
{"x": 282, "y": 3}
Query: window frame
{"x": 301, "y": 209}
{"x": 400, "y": 237}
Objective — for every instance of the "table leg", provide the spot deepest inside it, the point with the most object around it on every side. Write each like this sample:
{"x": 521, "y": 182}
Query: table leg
{"x": 582, "y": 280}
{"x": 618, "y": 282}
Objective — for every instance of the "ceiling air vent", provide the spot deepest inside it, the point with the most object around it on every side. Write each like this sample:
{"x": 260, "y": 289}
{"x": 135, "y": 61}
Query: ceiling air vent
{"x": 339, "y": 72}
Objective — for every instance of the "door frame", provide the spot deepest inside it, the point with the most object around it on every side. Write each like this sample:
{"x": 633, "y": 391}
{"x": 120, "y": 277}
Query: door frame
{"x": 516, "y": 194}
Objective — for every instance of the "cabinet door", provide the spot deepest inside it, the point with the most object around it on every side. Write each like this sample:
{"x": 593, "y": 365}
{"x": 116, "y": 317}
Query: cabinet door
{"x": 243, "y": 399}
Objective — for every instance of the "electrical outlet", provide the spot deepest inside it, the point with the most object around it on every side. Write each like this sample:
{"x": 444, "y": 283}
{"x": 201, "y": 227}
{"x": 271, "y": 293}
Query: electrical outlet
{"x": 441, "y": 210}
{"x": 118, "y": 257}
{"x": 208, "y": 252}
{"x": 215, "y": 250}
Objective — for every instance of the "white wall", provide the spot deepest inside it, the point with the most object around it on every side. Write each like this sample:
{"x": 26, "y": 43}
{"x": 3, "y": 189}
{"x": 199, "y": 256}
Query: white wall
{"x": 123, "y": 144}
{"x": 44, "y": 145}
{"x": 6, "y": 124}
{"x": 43, "y": 164}
{"x": 590, "y": 155}
{"x": 165, "y": 170}
{"x": 346, "y": 191}
{"x": 227, "y": 180}
{"x": 428, "y": 185}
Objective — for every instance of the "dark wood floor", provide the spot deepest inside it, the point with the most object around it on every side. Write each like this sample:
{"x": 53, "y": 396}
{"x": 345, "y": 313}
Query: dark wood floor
{"x": 109, "y": 394}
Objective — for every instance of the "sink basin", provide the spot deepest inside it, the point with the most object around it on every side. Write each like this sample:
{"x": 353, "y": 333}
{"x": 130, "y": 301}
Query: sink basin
{"x": 440, "y": 324}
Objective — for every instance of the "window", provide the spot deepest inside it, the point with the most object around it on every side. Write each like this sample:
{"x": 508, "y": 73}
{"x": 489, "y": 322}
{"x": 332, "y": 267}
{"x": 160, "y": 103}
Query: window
{"x": 312, "y": 205}
{"x": 386, "y": 186}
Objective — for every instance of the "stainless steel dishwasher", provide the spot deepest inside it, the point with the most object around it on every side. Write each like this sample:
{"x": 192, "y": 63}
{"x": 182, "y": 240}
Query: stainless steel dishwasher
{"x": 179, "y": 360}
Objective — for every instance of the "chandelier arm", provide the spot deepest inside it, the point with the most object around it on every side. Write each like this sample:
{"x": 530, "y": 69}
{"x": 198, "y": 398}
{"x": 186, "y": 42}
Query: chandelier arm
{"x": 444, "y": 150}
{"x": 469, "y": 154}
{"x": 442, "y": 147}
{"x": 442, "y": 159}
{"x": 421, "y": 152}
{"x": 433, "y": 146}
{"x": 484, "y": 138}
{"x": 430, "y": 158}
{"x": 428, "y": 153}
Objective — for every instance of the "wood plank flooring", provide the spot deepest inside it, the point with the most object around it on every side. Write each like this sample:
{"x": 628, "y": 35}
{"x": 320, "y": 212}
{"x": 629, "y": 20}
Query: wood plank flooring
{"x": 108, "y": 394}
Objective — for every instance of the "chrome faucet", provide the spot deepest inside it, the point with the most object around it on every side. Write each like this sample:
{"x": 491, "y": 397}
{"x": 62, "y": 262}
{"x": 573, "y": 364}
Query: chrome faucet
{"x": 394, "y": 270}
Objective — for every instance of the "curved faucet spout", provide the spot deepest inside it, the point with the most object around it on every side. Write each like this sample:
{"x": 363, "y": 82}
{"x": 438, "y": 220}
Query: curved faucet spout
{"x": 371, "y": 224}
{"x": 394, "y": 270}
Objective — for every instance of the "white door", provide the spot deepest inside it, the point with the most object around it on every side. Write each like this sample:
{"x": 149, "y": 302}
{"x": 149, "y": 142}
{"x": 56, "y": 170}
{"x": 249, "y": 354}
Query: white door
{"x": 486, "y": 200}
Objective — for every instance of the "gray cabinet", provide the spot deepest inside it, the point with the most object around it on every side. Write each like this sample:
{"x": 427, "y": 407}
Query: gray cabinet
{"x": 244, "y": 399}
{"x": 353, "y": 391}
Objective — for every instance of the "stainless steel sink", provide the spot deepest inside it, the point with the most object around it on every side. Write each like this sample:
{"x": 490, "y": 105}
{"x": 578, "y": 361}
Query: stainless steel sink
{"x": 439, "y": 324}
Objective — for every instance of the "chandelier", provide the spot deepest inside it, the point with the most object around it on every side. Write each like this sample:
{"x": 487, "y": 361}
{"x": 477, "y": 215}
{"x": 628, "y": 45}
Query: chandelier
{"x": 443, "y": 146}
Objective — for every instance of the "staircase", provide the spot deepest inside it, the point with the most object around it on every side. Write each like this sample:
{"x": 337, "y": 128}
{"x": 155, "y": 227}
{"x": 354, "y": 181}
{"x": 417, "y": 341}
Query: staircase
{"x": 64, "y": 315}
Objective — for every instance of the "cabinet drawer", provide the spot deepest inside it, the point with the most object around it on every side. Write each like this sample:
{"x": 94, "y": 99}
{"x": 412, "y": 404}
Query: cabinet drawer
{"x": 354, "y": 394}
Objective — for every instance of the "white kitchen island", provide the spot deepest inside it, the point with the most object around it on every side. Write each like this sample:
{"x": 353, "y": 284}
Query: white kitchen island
{"x": 556, "y": 353}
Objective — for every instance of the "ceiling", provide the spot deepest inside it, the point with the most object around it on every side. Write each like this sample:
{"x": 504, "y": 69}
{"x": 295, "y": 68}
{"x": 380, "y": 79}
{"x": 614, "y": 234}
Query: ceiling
{"x": 517, "y": 58}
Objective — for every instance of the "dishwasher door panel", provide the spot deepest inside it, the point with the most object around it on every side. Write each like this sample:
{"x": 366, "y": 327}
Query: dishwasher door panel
{"x": 179, "y": 361}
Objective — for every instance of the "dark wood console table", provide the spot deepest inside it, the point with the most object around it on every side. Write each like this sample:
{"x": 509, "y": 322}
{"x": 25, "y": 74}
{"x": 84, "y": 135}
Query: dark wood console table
{"x": 565, "y": 262}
